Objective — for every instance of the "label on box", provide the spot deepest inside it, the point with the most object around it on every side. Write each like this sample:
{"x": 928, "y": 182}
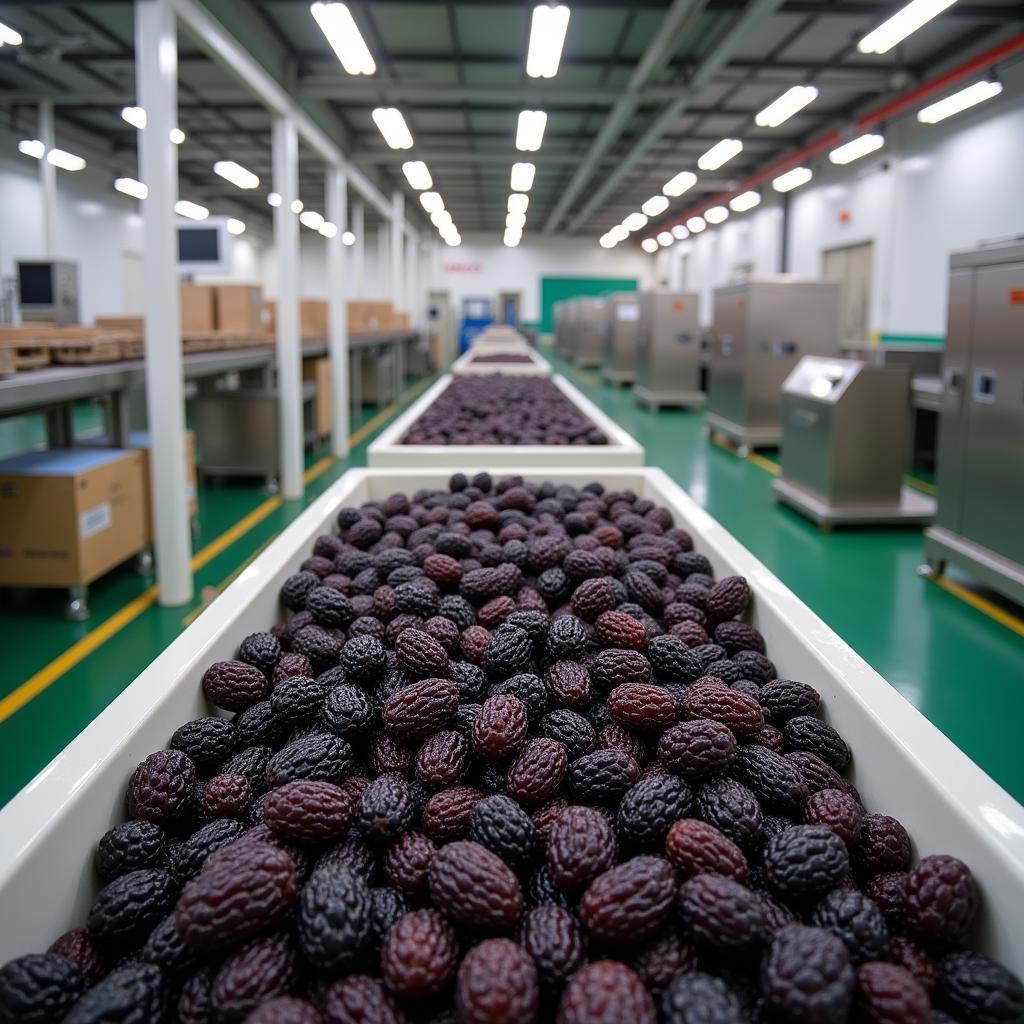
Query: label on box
{"x": 93, "y": 520}
{"x": 624, "y": 312}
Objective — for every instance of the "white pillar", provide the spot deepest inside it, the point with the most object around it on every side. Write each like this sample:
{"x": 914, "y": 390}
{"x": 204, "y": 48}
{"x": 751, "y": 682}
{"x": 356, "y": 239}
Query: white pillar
{"x": 358, "y": 289}
{"x": 337, "y": 313}
{"x": 412, "y": 298}
{"x": 380, "y": 288}
{"x": 395, "y": 249}
{"x": 156, "y": 68}
{"x": 48, "y": 180}
{"x": 285, "y": 144}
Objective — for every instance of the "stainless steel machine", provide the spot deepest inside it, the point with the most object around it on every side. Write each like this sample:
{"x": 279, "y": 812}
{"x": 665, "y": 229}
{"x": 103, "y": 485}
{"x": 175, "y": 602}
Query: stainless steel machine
{"x": 48, "y": 290}
{"x": 762, "y": 328}
{"x": 622, "y": 322}
{"x": 587, "y": 330}
{"x": 668, "y": 350}
{"x": 981, "y": 432}
{"x": 844, "y": 434}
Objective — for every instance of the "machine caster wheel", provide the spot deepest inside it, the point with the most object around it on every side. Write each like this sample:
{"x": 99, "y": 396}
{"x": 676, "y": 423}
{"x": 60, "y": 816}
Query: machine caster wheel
{"x": 77, "y": 609}
{"x": 743, "y": 450}
{"x": 271, "y": 486}
{"x": 929, "y": 571}
{"x": 144, "y": 562}
{"x": 194, "y": 526}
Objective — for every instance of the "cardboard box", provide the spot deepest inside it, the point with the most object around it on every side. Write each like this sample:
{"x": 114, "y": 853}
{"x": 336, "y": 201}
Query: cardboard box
{"x": 319, "y": 371}
{"x": 269, "y": 316}
{"x": 139, "y": 440}
{"x": 239, "y": 307}
{"x": 198, "y": 308}
{"x": 368, "y": 317}
{"x": 128, "y": 324}
{"x": 67, "y": 516}
{"x": 313, "y": 318}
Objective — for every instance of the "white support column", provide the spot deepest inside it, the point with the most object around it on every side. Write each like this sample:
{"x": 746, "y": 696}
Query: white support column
{"x": 380, "y": 288}
{"x": 395, "y": 249}
{"x": 358, "y": 289}
{"x": 156, "y": 68}
{"x": 337, "y": 313}
{"x": 412, "y": 297}
{"x": 285, "y": 145}
{"x": 48, "y": 180}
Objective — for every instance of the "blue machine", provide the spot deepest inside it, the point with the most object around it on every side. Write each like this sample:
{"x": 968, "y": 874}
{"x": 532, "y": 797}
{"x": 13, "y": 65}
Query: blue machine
{"x": 477, "y": 314}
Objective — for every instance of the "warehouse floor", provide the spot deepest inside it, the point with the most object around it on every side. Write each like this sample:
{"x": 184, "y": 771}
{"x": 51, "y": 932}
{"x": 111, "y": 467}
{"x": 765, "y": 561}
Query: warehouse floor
{"x": 960, "y": 664}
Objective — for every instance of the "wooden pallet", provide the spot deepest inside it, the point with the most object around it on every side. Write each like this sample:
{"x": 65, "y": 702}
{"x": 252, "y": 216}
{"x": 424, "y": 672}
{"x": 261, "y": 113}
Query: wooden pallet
{"x": 26, "y": 354}
{"x": 7, "y": 366}
{"x": 101, "y": 348}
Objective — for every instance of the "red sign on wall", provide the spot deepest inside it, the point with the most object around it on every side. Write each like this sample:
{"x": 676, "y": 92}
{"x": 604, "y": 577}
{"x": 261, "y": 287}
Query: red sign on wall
{"x": 463, "y": 268}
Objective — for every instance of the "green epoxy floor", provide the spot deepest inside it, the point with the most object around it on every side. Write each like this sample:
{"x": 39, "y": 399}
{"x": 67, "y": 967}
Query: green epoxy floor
{"x": 962, "y": 669}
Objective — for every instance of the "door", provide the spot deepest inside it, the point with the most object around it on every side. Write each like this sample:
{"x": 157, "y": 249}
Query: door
{"x": 851, "y": 265}
{"x": 133, "y": 302}
{"x": 508, "y": 308}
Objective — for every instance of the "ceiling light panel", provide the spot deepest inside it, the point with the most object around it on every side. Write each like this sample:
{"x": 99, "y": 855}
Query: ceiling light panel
{"x": 135, "y": 116}
{"x": 328, "y": 230}
{"x": 417, "y": 174}
{"x": 720, "y": 153}
{"x": 522, "y": 177}
{"x": 665, "y": 238}
{"x": 193, "y": 211}
{"x": 238, "y": 175}
{"x": 962, "y": 100}
{"x": 311, "y": 219}
{"x": 683, "y": 181}
{"x": 716, "y": 214}
{"x": 696, "y": 225}
{"x": 792, "y": 179}
{"x": 515, "y": 220}
{"x": 8, "y": 36}
{"x": 235, "y": 226}
{"x": 131, "y": 187}
{"x": 635, "y": 222}
{"x": 786, "y": 106}
{"x": 655, "y": 206}
{"x": 177, "y": 136}
{"x": 745, "y": 201}
{"x": 33, "y": 148}
{"x": 903, "y": 23}
{"x": 518, "y": 202}
{"x": 431, "y": 201}
{"x": 680, "y": 232}
{"x": 649, "y": 245}
{"x": 530, "y": 130}
{"x": 337, "y": 24}
{"x": 64, "y": 160}
{"x": 348, "y": 238}
{"x": 856, "y": 148}
{"x": 547, "y": 36}
{"x": 393, "y": 127}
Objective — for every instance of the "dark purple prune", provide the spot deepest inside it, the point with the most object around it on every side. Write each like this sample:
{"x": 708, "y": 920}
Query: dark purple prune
{"x": 697, "y": 750}
{"x": 497, "y": 984}
{"x": 128, "y": 847}
{"x": 252, "y": 975}
{"x": 161, "y": 788}
{"x": 884, "y": 845}
{"x": 720, "y": 914}
{"x": 672, "y": 661}
{"x": 474, "y": 887}
{"x": 321, "y": 756}
{"x": 262, "y": 650}
{"x": 236, "y": 897}
{"x": 509, "y": 652}
{"x": 205, "y": 741}
{"x": 661, "y": 959}
{"x": 941, "y": 900}
{"x": 407, "y": 860}
{"x": 567, "y": 638}
{"x": 807, "y": 977}
{"x": 129, "y": 906}
{"x": 419, "y": 955}
{"x": 165, "y": 948}
{"x": 528, "y": 688}
{"x": 38, "y": 988}
{"x": 421, "y": 655}
{"x": 134, "y": 994}
{"x": 446, "y": 814}
{"x": 553, "y": 938}
{"x": 296, "y": 588}
{"x": 644, "y": 707}
{"x": 630, "y": 901}
{"x": 835, "y": 810}
{"x": 443, "y": 759}
{"x": 568, "y": 683}
{"x": 739, "y": 636}
{"x": 603, "y": 776}
{"x": 251, "y": 763}
{"x": 334, "y": 924}
{"x": 322, "y": 646}
{"x": 783, "y": 699}
{"x": 649, "y": 809}
{"x": 258, "y": 726}
{"x": 80, "y": 947}
{"x": 695, "y": 847}
{"x": 500, "y": 825}
{"x": 888, "y": 994}
{"x": 804, "y": 732}
{"x": 699, "y": 998}
{"x": 470, "y": 679}
{"x": 234, "y": 685}
{"x": 729, "y": 597}
{"x": 364, "y": 660}
{"x": 297, "y": 699}
{"x": 979, "y": 990}
{"x": 537, "y": 772}
{"x": 804, "y": 862}
{"x": 774, "y": 780}
{"x": 616, "y": 629}
{"x": 605, "y": 992}
{"x": 500, "y": 729}
{"x": 359, "y": 999}
{"x": 308, "y": 810}
{"x": 733, "y": 809}
{"x": 185, "y": 860}
{"x": 420, "y": 708}
{"x": 570, "y": 729}
{"x": 346, "y": 711}
{"x": 385, "y": 810}
{"x": 857, "y": 921}
{"x": 284, "y": 1010}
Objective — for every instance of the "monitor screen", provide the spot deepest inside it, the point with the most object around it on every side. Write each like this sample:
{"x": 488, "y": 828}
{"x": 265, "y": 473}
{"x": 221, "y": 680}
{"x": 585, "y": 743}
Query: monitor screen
{"x": 35, "y": 284}
{"x": 198, "y": 245}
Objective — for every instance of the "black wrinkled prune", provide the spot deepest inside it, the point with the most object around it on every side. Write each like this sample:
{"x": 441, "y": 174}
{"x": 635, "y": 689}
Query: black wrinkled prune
{"x": 252, "y": 763}
{"x": 364, "y": 660}
{"x": 699, "y": 998}
{"x": 129, "y": 847}
{"x": 385, "y": 809}
{"x": 804, "y": 862}
{"x": 335, "y": 919}
{"x": 672, "y": 661}
{"x": 530, "y": 689}
{"x": 721, "y": 915}
{"x": 509, "y": 652}
{"x": 38, "y": 988}
{"x": 185, "y": 860}
{"x": 603, "y": 776}
{"x": 733, "y": 809}
{"x": 322, "y": 757}
{"x": 135, "y": 994}
{"x": 128, "y": 907}
{"x": 258, "y": 726}
{"x": 329, "y": 607}
{"x": 774, "y": 780}
{"x": 807, "y": 977}
{"x": 500, "y": 825}
{"x": 979, "y": 990}
{"x": 805, "y": 732}
{"x": 783, "y": 699}
{"x": 571, "y": 729}
{"x": 347, "y": 711}
{"x": 205, "y": 741}
{"x": 296, "y": 588}
{"x": 649, "y": 809}
{"x": 297, "y": 699}
{"x": 567, "y": 638}
{"x": 165, "y": 949}
{"x": 857, "y": 921}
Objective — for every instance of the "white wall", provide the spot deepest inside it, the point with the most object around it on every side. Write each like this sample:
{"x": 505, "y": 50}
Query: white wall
{"x": 932, "y": 190}
{"x": 95, "y": 226}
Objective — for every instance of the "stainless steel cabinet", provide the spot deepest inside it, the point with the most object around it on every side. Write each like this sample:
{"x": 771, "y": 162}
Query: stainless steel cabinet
{"x": 762, "y": 328}
{"x": 622, "y": 322}
{"x": 981, "y": 439}
{"x": 588, "y": 332}
{"x": 668, "y": 350}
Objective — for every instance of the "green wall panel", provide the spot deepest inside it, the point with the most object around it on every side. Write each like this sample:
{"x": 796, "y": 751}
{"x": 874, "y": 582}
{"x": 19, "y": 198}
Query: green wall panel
{"x": 556, "y": 289}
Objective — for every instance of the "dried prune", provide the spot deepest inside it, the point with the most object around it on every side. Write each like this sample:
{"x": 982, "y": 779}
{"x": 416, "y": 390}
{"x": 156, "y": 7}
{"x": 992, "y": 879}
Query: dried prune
{"x": 979, "y": 990}
{"x": 498, "y": 823}
{"x": 629, "y": 901}
{"x": 420, "y": 708}
{"x": 134, "y": 994}
{"x": 385, "y": 809}
{"x": 697, "y": 750}
{"x": 553, "y": 938}
{"x": 162, "y": 787}
{"x": 603, "y": 776}
{"x": 857, "y": 921}
{"x": 308, "y": 810}
{"x": 500, "y": 728}
{"x": 334, "y": 918}
{"x": 474, "y": 887}
{"x": 804, "y": 862}
{"x": 252, "y": 975}
{"x": 497, "y": 984}
{"x": 942, "y": 899}
{"x": 650, "y": 808}
{"x": 234, "y": 685}
{"x": 38, "y": 988}
{"x": 129, "y": 847}
{"x": 695, "y": 847}
{"x": 605, "y": 992}
{"x": 537, "y": 772}
{"x": 419, "y": 955}
{"x": 888, "y": 994}
{"x": 206, "y": 741}
{"x": 128, "y": 907}
{"x": 807, "y": 977}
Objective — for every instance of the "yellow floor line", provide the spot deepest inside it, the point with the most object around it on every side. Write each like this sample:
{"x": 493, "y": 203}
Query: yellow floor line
{"x": 766, "y": 464}
{"x": 981, "y": 604}
{"x": 95, "y": 638}
{"x": 920, "y": 485}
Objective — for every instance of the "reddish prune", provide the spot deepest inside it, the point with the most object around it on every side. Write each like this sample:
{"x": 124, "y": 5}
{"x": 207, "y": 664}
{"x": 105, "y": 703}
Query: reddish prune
{"x": 500, "y": 728}
{"x": 308, "y": 810}
{"x": 284, "y": 1010}
{"x": 605, "y": 992}
{"x": 696, "y": 847}
{"x": 474, "y": 887}
{"x": 553, "y": 938}
{"x": 234, "y": 685}
{"x": 497, "y": 984}
{"x": 537, "y": 772}
{"x": 359, "y": 999}
{"x": 888, "y": 994}
{"x": 884, "y": 845}
{"x": 446, "y": 814}
{"x": 419, "y": 955}
{"x": 643, "y": 706}
{"x": 420, "y": 708}
{"x": 697, "y": 750}
{"x": 161, "y": 789}
{"x": 630, "y": 901}
{"x": 942, "y": 900}
{"x": 407, "y": 860}
{"x": 835, "y": 810}
{"x": 252, "y": 975}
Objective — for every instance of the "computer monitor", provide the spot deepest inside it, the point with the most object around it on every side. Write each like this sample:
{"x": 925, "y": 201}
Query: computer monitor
{"x": 203, "y": 246}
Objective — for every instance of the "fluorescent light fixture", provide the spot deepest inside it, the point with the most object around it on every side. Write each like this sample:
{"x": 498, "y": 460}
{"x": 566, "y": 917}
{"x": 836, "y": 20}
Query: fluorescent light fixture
{"x": 518, "y": 202}
{"x": 347, "y": 238}
{"x": 856, "y": 148}
{"x": 792, "y": 179}
{"x": 135, "y": 116}
{"x": 235, "y": 226}
{"x": 786, "y": 106}
{"x": 530, "y": 131}
{"x": 274, "y": 198}
{"x": 620, "y": 232}
{"x": 177, "y": 136}
{"x": 238, "y": 175}
{"x": 33, "y": 148}
{"x": 680, "y": 232}
{"x": 649, "y": 245}
{"x": 607, "y": 242}
{"x": 696, "y": 225}
{"x": 904, "y": 22}
{"x": 655, "y": 205}
{"x": 337, "y": 24}
{"x": 516, "y": 221}
{"x": 680, "y": 183}
{"x": 417, "y": 175}
{"x": 453, "y": 240}
{"x": 328, "y": 230}
{"x": 513, "y": 236}
{"x": 183, "y": 208}
{"x": 440, "y": 219}
{"x": 451, "y": 231}
{"x": 393, "y": 127}
{"x": 547, "y": 34}
{"x": 8, "y": 37}
{"x": 431, "y": 201}
{"x": 635, "y": 222}
{"x": 716, "y": 214}
{"x": 962, "y": 100}
{"x": 665, "y": 238}
{"x": 131, "y": 187}
{"x": 297, "y": 206}
{"x": 745, "y": 201}
{"x": 522, "y": 177}
{"x": 311, "y": 219}
{"x": 64, "y": 160}
{"x": 720, "y": 153}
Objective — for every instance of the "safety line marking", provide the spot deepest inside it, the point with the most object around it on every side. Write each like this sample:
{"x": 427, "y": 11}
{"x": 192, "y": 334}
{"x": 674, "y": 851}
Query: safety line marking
{"x": 981, "y": 604}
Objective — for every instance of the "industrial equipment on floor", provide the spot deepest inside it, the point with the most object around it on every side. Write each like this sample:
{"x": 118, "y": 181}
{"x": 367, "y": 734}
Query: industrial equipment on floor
{"x": 668, "y": 350}
{"x": 981, "y": 452}
{"x": 586, "y": 335}
{"x": 762, "y": 327}
{"x": 622, "y": 320}
{"x": 844, "y": 434}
